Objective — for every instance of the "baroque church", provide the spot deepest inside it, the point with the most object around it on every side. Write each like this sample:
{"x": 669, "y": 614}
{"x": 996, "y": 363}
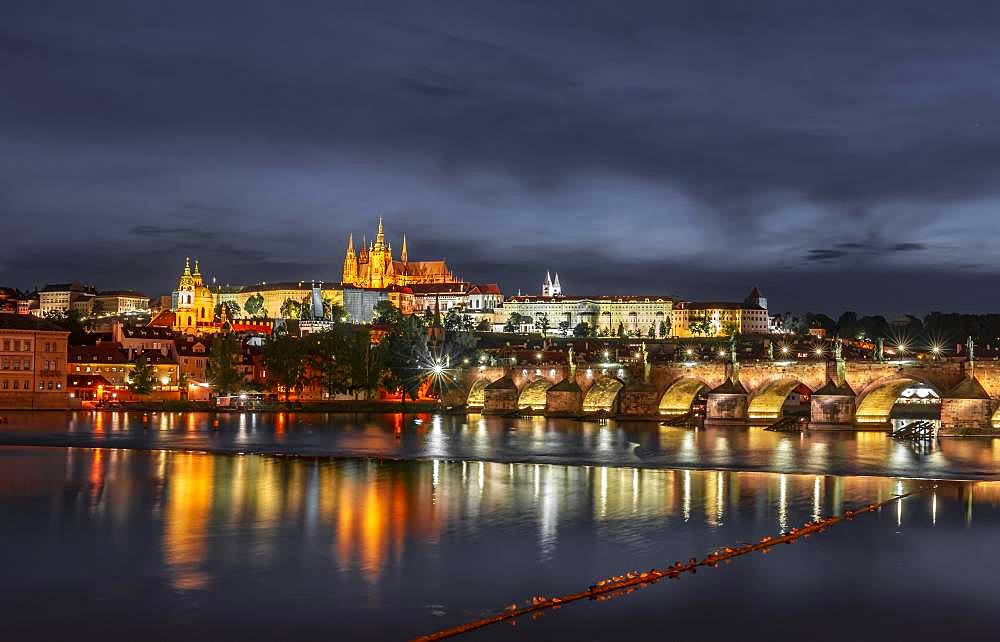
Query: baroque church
{"x": 375, "y": 267}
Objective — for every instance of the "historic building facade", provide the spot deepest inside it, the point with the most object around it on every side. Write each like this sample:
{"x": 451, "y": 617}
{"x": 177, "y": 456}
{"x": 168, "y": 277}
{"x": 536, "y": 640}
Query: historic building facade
{"x": 720, "y": 318}
{"x": 375, "y": 267}
{"x": 32, "y": 363}
{"x": 646, "y": 316}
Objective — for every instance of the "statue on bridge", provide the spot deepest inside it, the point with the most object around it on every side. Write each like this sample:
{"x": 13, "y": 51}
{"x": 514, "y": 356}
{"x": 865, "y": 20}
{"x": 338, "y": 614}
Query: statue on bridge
{"x": 838, "y": 349}
{"x": 732, "y": 348}
{"x": 970, "y": 347}
{"x": 770, "y": 350}
{"x": 880, "y": 349}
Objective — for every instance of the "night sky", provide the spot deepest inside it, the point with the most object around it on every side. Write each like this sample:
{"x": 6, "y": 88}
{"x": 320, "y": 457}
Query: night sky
{"x": 840, "y": 156}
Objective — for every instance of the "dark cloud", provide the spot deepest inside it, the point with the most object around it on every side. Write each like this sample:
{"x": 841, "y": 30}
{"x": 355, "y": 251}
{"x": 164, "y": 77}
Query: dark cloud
{"x": 786, "y": 140}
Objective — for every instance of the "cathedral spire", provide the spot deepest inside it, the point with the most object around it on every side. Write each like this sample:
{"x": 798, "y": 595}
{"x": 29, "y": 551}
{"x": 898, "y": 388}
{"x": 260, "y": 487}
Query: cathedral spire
{"x": 350, "y": 243}
{"x": 403, "y": 257}
{"x": 197, "y": 272}
{"x": 187, "y": 266}
{"x": 380, "y": 235}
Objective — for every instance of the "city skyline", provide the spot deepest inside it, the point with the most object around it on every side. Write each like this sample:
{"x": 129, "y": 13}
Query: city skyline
{"x": 667, "y": 149}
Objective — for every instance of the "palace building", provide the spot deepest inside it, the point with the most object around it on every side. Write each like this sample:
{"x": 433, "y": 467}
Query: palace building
{"x": 375, "y": 267}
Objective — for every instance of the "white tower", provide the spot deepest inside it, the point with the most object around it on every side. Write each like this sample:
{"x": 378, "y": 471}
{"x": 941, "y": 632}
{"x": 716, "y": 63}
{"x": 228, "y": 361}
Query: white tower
{"x": 556, "y": 288}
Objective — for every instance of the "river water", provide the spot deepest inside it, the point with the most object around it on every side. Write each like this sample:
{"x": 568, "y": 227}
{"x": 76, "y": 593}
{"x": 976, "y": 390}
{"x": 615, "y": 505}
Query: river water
{"x": 193, "y": 540}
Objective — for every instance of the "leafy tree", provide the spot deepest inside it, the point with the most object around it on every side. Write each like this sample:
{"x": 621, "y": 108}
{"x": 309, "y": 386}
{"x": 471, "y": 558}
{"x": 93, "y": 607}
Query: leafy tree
{"x": 542, "y": 323}
{"x": 665, "y": 328}
{"x": 291, "y": 309}
{"x": 564, "y": 328}
{"x": 730, "y": 328}
{"x": 404, "y": 343}
{"x": 514, "y": 322}
{"x": 621, "y": 330}
{"x": 582, "y": 329}
{"x": 701, "y": 327}
{"x": 386, "y": 314}
{"x": 142, "y": 379}
{"x": 285, "y": 362}
{"x": 483, "y": 325}
{"x": 71, "y": 321}
{"x": 254, "y": 307}
{"x": 232, "y": 309}
{"x": 365, "y": 362}
{"x": 324, "y": 350}
{"x": 452, "y": 320}
{"x": 652, "y": 332}
{"x": 222, "y": 361}
{"x": 334, "y": 311}
{"x": 182, "y": 384}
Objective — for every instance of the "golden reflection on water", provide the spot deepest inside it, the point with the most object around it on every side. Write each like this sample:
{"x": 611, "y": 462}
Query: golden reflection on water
{"x": 368, "y": 512}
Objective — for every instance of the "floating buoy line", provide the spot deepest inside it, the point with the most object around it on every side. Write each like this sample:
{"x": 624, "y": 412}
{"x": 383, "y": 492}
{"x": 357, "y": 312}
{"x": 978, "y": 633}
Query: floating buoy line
{"x": 609, "y": 588}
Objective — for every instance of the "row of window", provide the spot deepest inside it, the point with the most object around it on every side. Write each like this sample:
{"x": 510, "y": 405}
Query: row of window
{"x": 15, "y": 363}
{"x": 16, "y": 345}
{"x": 25, "y": 384}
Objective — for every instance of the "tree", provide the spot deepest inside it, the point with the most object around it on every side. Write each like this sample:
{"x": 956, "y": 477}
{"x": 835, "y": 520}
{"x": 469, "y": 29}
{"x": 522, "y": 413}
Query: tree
{"x": 730, "y": 328}
{"x": 71, "y": 321}
{"x": 254, "y": 307}
{"x": 652, "y": 332}
{"x": 142, "y": 379}
{"x": 483, "y": 325}
{"x": 328, "y": 352}
{"x": 365, "y": 362}
{"x": 221, "y": 365}
{"x": 386, "y": 314}
{"x": 404, "y": 343}
{"x": 514, "y": 322}
{"x": 621, "y": 330}
{"x": 452, "y": 320}
{"x": 665, "y": 328}
{"x": 701, "y": 327}
{"x": 564, "y": 328}
{"x": 291, "y": 309}
{"x": 542, "y": 323}
{"x": 232, "y": 309}
{"x": 182, "y": 384}
{"x": 284, "y": 360}
{"x": 582, "y": 329}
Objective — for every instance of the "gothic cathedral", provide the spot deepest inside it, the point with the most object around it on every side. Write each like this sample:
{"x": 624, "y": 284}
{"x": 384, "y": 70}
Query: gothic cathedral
{"x": 375, "y": 267}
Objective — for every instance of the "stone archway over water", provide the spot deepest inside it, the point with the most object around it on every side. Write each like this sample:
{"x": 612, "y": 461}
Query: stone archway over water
{"x": 875, "y": 405}
{"x": 677, "y": 399}
{"x": 533, "y": 395}
{"x": 477, "y": 394}
{"x": 769, "y": 399}
{"x": 602, "y": 395}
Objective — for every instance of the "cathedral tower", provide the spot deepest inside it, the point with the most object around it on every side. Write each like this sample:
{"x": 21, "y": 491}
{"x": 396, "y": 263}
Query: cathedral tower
{"x": 350, "y": 263}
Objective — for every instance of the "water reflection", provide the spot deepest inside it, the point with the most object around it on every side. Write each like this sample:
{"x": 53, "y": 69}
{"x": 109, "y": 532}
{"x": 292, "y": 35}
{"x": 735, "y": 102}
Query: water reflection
{"x": 531, "y": 439}
{"x": 365, "y": 534}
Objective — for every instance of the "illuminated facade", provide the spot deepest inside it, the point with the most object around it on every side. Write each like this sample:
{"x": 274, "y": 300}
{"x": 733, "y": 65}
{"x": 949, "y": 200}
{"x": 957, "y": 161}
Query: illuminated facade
{"x": 719, "y": 319}
{"x": 646, "y": 316}
{"x": 375, "y": 267}
{"x": 193, "y": 302}
{"x": 32, "y": 363}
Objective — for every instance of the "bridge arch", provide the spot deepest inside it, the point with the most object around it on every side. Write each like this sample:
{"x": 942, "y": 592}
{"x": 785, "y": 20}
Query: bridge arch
{"x": 533, "y": 395}
{"x": 876, "y": 402}
{"x": 603, "y": 395}
{"x": 769, "y": 399}
{"x": 477, "y": 394}
{"x": 679, "y": 396}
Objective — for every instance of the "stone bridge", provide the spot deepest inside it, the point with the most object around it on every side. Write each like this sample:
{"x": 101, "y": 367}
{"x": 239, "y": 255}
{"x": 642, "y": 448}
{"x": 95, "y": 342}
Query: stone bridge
{"x": 852, "y": 394}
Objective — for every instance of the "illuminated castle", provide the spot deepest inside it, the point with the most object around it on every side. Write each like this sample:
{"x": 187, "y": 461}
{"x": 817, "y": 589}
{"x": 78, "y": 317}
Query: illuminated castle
{"x": 374, "y": 266}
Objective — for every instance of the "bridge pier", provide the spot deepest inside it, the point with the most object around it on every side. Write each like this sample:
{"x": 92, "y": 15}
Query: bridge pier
{"x": 728, "y": 401}
{"x": 833, "y": 405}
{"x": 638, "y": 399}
{"x": 500, "y": 396}
{"x": 966, "y": 409}
{"x": 564, "y": 398}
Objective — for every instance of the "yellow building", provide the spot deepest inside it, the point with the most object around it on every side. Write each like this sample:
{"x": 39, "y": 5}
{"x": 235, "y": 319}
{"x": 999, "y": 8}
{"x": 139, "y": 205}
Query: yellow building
{"x": 375, "y": 267}
{"x": 193, "y": 303}
{"x": 721, "y": 319}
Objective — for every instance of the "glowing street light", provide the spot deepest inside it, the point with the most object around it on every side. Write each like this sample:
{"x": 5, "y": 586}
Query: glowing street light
{"x": 690, "y": 352}
{"x": 819, "y": 352}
